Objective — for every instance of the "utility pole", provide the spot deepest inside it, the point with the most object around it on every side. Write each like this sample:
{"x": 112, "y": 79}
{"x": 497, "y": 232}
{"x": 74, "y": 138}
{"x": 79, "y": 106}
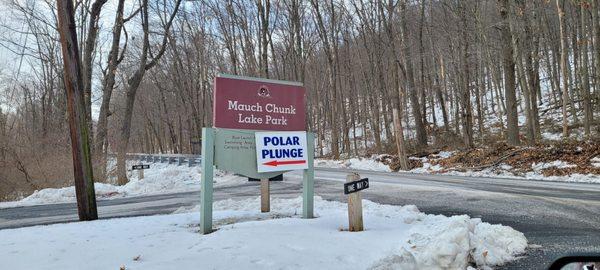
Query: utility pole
{"x": 82, "y": 162}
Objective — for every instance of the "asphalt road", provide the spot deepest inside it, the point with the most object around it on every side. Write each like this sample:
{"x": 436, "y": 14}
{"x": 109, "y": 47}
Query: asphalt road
{"x": 557, "y": 218}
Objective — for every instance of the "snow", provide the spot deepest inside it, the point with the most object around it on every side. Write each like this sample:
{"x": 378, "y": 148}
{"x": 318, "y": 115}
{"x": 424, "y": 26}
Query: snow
{"x": 446, "y": 154}
{"x": 369, "y": 164}
{"x": 427, "y": 168}
{"x": 559, "y": 164}
{"x": 491, "y": 173}
{"x": 395, "y": 237}
{"x": 536, "y": 174}
{"x": 502, "y": 171}
{"x": 161, "y": 178}
{"x": 595, "y": 161}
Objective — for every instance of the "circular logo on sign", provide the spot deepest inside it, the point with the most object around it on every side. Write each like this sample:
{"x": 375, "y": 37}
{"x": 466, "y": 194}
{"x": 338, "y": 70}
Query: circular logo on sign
{"x": 263, "y": 91}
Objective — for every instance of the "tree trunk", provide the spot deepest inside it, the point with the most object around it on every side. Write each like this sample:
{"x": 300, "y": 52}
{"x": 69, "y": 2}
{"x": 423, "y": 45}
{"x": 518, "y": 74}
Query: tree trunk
{"x": 263, "y": 11}
{"x": 512, "y": 117}
{"x": 88, "y": 53}
{"x": 125, "y": 132}
{"x": 398, "y": 129}
{"x": 585, "y": 82}
{"x": 596, "y": 32}
{"x": 108, "y": 82}
{"x": 563, "y": 66}
{"x": 440, "y": 96}
{"x": 410, "y": 78}
{"x": 82, "y": 160}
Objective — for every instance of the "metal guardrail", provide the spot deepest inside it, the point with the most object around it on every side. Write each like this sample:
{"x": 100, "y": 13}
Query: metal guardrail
{"x": 179, "y": 159}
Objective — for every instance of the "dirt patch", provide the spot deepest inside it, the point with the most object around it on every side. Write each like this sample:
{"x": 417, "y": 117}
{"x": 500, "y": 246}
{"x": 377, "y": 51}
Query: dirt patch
{"x": 576, "y": 156}
{"x": 394, "y": 163}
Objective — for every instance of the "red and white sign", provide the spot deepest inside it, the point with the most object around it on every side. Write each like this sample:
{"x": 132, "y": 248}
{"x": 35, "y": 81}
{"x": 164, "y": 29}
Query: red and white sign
{"x": 281, "y": 151}
{"x": 258, "y": 104}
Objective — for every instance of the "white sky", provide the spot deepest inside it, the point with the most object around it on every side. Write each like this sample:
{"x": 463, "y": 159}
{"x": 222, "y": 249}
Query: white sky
{"x": 9, "y": 61}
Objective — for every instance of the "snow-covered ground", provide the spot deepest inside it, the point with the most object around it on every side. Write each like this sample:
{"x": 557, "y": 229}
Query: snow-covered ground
{"x": 369, "y": 164}
{"x": 501, "y": 171}
{"x": 396, "y": 237}
{"x": 159, "y": 179}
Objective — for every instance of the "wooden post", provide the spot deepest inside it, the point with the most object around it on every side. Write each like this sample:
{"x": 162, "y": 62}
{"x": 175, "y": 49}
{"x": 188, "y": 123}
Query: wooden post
{"x": 78, "y": 124}
{"x": 265, "y": 200}
{"x": 206, "y": 182}
{"x": 141, "y": 174}
{"x": 355, "y": 217}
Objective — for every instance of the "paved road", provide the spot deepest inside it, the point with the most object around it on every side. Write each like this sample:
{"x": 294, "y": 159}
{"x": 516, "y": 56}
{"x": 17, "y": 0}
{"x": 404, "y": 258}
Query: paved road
{"x": 557, "y": 218}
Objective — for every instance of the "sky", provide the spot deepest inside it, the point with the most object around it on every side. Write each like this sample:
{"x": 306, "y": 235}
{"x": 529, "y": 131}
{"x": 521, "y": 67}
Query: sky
{"x": 13, "y": 66}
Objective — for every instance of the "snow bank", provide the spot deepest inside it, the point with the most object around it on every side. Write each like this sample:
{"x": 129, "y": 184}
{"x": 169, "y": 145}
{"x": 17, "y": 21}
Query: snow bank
{"x": 369, "y": 164}
{"x": 506, "y": 171}
{"x": 417, "y": 240}
{"x": 501, "y": 171}
{"x": 495, "y": 173}
{"x": 396, "y": 237}
{"x": 159, "y": 179}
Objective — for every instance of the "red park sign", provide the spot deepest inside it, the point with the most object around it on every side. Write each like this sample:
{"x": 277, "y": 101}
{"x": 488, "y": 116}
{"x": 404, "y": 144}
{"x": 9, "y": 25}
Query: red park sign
{"x": 258, "y": 104}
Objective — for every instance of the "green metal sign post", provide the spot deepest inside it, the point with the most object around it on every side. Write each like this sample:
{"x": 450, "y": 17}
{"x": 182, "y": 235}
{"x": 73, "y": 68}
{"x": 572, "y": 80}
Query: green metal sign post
{"x": 308, "y": 178}
{"x": 206, "y": 180}
{"x": 235, "y": 150}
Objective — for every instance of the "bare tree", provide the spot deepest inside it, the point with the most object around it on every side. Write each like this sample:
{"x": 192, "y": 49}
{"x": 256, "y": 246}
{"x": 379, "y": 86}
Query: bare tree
{"x": 147, "y": 61}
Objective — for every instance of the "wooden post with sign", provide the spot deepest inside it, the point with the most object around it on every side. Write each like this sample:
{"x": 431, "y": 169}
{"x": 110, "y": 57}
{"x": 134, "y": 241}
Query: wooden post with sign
{"x": 355, "y": 217}
{"x": 265, "y": 196}
{"x": 140, "y": 168}
{"x": 259, "y": 131}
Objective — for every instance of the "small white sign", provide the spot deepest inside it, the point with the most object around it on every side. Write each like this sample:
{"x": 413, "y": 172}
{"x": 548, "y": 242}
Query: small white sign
{"x": 281, "y": 151}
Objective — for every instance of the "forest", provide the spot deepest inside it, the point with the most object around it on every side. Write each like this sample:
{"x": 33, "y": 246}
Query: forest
{"x": 388, "y": 76}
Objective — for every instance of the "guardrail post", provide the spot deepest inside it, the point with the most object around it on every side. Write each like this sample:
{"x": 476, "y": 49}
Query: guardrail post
{"x": 171, "y": 160}
{"x": 190, "y": 162}
{"x": 179, "y": 161}
{"x": 163, "y": 159}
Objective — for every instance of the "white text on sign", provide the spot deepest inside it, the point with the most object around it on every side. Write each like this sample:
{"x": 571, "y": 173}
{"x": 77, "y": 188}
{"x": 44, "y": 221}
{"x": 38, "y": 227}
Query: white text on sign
{"x": 257, "y": 107}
